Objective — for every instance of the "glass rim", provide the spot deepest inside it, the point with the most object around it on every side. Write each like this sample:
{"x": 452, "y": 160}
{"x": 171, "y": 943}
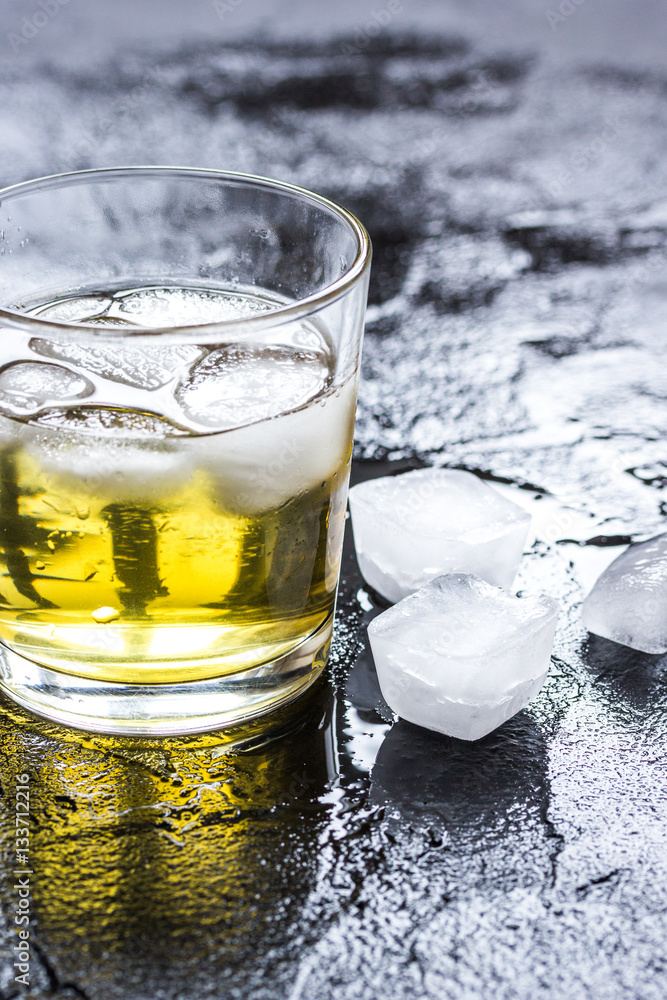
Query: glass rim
{"x": 281, "y": 314}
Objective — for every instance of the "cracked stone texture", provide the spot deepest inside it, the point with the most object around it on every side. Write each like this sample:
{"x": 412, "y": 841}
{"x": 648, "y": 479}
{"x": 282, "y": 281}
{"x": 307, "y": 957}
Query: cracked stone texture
{"x": 514, "y": 180}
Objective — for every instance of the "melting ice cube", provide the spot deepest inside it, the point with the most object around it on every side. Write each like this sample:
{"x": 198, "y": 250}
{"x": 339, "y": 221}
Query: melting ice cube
{"x": 628, "y": 604}
{"x": 28, "y": 386}
{"x": 144, "y": 367}
{"x": 240, "y": 384}
{"x": 170, "y": 307}
{"x": 262, "y": 465}
{"x": 411, "y": 528}
{"x": 461, "y": 656}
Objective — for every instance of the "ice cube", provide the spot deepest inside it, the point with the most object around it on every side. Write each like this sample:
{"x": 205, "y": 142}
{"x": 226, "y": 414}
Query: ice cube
{"x": 265, "y": 464}
{"x": 109, "y": 421}
{"x": 411, "y": 528}
{"x": 237, "y": 385}
{"x": 145, "y": 367}
{"x": 76, "y": 309}
{"x": 129, "y": 456}
{"x": 126, "y": 471}
{"x": 28, "y": 386}
{"x": 628, "y": 603}
{"x": 170, "y": 307}
{"x": 156, "y": 307}
{"x": 461, "y": 656}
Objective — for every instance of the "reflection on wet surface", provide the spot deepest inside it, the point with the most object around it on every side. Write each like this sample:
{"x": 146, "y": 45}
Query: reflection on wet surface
{"x": 477, "y": 799}
{"x": 463, "y": 784}
{"x": 634, "y": 683}
{"x": 147, "y": 848}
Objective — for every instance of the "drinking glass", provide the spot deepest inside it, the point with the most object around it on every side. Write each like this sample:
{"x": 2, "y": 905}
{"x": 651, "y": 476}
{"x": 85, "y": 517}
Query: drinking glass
{"x": 179, "y": 358}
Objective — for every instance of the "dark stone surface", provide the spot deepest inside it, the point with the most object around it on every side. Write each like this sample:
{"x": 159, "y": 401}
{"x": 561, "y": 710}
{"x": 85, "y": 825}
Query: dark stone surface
{"x": 514, "y": 180}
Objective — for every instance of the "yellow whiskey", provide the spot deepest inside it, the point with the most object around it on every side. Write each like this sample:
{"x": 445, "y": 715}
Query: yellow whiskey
{"x": 169, "y": 513}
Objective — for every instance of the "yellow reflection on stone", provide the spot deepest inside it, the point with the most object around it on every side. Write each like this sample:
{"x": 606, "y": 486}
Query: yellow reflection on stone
{"x": 138, "y": 844}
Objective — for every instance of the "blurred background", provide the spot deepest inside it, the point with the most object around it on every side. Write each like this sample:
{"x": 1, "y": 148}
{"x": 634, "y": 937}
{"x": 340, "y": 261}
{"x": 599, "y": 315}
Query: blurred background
{"x": 509, "y": 158}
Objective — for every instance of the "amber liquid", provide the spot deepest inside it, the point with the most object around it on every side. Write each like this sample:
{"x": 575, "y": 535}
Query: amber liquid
{"x": 135, "y": 548}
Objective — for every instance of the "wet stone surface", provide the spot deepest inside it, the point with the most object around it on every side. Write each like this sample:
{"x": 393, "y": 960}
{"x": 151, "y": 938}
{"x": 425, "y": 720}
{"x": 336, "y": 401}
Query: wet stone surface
{"x": 518, "y": 207}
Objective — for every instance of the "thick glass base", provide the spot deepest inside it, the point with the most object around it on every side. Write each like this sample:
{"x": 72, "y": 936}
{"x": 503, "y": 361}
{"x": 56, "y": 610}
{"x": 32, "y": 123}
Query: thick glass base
{"x": 164, "y": 709}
